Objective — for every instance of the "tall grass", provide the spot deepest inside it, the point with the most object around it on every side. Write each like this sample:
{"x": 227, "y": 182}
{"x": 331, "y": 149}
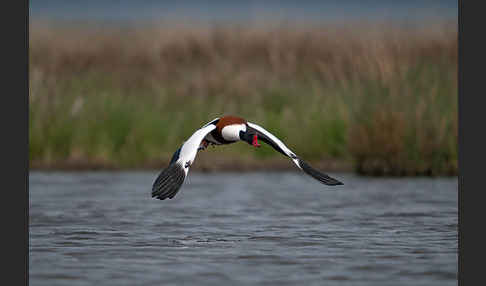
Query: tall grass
{"x": 381, "y": 97}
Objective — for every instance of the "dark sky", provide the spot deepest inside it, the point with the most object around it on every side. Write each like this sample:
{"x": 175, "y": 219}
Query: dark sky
{"x": 218, "y": 10}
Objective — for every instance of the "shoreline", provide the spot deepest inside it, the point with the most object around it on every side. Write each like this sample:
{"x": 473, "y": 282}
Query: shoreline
{"x": 225, "y": 166}
{"x": 205, "y": 166}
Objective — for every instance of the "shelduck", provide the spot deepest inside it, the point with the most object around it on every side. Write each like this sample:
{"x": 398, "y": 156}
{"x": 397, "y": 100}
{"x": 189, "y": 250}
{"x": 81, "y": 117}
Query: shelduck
{"x": 221, "y": 131}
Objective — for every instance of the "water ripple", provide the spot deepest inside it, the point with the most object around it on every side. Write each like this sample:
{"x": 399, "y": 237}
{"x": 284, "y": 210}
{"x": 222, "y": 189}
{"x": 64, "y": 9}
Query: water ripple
{"x": 90, "y": 228}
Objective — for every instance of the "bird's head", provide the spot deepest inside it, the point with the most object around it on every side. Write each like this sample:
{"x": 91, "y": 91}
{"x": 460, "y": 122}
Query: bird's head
{"x": 250, "y": 138}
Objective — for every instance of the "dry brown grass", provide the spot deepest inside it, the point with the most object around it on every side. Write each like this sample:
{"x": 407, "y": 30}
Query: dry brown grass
{"x": 207, "y": 58}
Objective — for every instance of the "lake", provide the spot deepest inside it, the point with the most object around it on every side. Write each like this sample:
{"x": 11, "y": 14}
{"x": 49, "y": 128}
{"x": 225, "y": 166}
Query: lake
{"x": 282, "y": 228}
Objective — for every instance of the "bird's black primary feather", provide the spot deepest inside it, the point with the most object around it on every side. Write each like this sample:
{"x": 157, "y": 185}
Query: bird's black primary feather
{"x": 168, "y": 182}
{"x": 321, "y": 177}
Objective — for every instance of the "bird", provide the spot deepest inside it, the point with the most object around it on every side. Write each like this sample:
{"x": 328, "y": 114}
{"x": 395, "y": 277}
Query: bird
{"x": 223, "y": 130}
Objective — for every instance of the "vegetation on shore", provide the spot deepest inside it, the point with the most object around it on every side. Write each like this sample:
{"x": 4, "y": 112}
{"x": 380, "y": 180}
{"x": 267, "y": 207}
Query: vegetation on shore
{"x": 379, "y": 99}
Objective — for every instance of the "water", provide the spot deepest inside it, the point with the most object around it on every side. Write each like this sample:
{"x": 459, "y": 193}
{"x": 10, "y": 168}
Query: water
{"x": 103, "y": 228}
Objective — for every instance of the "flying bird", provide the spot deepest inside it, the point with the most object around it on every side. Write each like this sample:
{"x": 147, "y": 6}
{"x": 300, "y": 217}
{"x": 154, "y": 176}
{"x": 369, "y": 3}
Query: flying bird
{"x": 222, "y": 131}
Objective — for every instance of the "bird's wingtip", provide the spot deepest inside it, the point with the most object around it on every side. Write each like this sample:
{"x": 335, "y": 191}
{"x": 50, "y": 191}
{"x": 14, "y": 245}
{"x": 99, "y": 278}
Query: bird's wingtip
{"x": 321, "y": 177}
{"x": 168, "y": 182}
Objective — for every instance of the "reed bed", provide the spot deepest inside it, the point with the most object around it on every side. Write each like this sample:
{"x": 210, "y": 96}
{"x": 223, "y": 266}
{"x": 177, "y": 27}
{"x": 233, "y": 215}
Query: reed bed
{"x": 378, "y": 98}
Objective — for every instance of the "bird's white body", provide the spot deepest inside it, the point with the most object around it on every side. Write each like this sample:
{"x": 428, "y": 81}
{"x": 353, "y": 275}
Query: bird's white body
{"x": 232, "y": 132}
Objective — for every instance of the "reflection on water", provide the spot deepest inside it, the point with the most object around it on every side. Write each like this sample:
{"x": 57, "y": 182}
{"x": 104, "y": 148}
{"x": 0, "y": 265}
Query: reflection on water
{"x": 243, "y": 229}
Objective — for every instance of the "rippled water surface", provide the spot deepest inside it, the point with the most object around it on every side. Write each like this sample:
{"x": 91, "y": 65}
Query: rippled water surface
{"x": 103, "y": 228}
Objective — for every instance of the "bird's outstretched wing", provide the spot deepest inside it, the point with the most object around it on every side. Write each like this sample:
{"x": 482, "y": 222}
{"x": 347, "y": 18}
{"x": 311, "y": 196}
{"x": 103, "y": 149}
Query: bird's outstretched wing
{"x": 171, "y": 179}
{"x": 278, "y": 145}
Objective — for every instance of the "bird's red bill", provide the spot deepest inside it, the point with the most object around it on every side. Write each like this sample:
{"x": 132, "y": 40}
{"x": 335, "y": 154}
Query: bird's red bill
{"x": 255, "y": 141}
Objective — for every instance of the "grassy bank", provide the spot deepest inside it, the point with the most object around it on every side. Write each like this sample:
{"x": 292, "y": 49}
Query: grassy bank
{"x": 378, "y": 99}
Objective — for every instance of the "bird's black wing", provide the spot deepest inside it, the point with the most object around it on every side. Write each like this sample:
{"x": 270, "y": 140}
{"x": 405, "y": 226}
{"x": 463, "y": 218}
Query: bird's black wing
{"x": 278, "y": 145}
{"x": 170, "y": 180}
